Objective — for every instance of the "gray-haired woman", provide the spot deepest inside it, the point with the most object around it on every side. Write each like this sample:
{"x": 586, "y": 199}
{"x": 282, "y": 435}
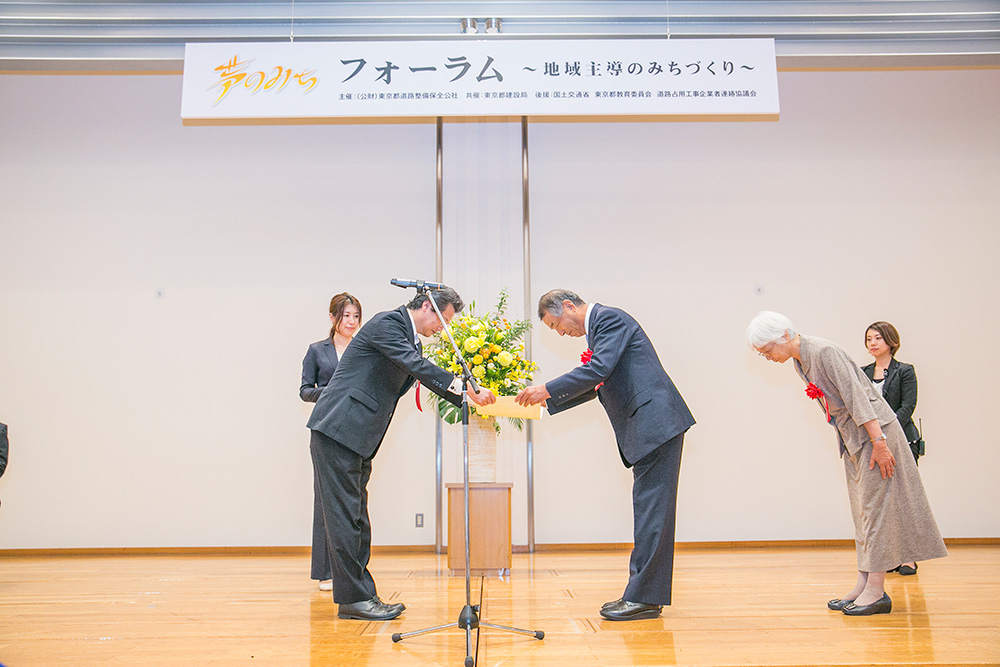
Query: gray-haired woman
{"x": 892, "y": 519}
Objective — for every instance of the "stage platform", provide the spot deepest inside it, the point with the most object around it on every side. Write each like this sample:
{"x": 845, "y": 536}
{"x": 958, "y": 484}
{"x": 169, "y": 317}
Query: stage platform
{"x": 732, "y": 606}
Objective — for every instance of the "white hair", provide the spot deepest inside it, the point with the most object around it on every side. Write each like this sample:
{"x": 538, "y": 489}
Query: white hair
{"x": 768, "y": 326}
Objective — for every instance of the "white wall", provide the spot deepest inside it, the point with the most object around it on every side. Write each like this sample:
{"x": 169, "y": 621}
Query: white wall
{"x": 174, "y": 421}
{"x": 143, "y": 421}
{"x": 874, "y": 197}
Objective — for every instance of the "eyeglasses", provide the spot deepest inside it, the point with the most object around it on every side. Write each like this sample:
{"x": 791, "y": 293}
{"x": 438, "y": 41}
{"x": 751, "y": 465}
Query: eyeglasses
{"x": 766, "y": 350}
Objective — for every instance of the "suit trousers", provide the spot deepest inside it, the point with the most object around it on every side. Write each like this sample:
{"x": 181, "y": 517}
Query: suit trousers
{"x": 320, "y": 569}
{"x": 342, "y": 476}
{"x": 654, "y": 511}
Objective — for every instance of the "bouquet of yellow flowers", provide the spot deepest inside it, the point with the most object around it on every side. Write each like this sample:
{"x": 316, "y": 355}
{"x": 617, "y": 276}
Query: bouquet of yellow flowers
{"x": 493, "y": 348}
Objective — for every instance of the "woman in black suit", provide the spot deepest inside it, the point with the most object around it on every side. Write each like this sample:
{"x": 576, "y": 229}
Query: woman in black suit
{"x": 898, "y": 383}
{"x": 317, "y": 369}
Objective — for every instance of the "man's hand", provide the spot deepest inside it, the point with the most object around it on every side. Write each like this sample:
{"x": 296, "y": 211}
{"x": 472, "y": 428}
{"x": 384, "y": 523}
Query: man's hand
{"x": 533, "y": 395}
{"x": 484, "y": 397}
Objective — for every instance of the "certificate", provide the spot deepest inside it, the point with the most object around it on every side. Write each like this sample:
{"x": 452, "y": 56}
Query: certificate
{"x": 506, "y": 407}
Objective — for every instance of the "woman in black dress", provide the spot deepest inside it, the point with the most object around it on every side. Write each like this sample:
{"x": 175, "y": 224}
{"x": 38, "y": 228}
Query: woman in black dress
{"x": 317, "y": 369}
{"x": 898, "y": 383}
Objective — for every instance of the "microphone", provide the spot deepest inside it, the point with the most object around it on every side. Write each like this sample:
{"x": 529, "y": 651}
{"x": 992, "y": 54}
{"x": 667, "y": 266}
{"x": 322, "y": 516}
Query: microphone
{"x": 419, "y": 284}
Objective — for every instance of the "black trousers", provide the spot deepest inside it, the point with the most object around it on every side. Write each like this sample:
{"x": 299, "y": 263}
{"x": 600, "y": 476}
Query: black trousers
{"x": 320, "y": 567}
{"x": 654, "y": 511}
{"x": 342, "y": 478}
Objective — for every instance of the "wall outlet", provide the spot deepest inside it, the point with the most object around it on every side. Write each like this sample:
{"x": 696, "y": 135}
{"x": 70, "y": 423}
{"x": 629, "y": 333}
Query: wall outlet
{"x": 419, "y": 520}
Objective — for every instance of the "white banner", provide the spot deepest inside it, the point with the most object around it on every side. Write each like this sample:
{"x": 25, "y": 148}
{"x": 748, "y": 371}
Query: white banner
{"x": 480, "y": 78}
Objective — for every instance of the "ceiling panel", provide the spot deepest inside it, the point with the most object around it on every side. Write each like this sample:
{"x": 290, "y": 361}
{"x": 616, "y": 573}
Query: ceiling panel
{"x": 150, "y": 36}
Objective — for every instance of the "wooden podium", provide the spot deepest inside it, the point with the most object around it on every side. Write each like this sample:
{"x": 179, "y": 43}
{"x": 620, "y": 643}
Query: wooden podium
{"x": 489, "y": 527}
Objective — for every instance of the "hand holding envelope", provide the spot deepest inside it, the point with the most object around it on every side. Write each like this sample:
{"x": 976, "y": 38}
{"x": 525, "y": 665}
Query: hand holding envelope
{"x": 535, "y": 395}
{"x": 506, "y": 406}
{"x": 484, "y": 397}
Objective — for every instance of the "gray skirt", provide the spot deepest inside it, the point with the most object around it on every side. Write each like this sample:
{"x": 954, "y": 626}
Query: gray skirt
{"x": 893, "y": 522}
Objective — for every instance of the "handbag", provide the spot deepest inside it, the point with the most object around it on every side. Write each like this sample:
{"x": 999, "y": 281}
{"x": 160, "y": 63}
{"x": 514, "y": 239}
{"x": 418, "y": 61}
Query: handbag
{"x": 918, "y": 446}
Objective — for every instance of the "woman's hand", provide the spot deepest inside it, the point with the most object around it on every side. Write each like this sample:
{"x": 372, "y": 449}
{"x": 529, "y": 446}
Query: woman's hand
{"x": 883, "y": 457}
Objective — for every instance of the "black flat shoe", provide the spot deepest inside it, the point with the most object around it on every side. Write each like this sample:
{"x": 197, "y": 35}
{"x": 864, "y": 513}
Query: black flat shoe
{"x": 906, "y": 570}
{"x": 623, "y": 610}
{"x": 370, "y": 610}
{"x": 838, "y": 604}
{"x": 881, "y": 606}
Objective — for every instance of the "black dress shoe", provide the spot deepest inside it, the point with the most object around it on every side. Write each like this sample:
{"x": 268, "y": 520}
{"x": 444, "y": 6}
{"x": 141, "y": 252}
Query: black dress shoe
{"x": 906, "y": 570}
{"x": 838, "y": 604}
{"x": 370, "y": 610}
{"x": 881, "y": 606}
{"x": 610, "y": 604}
{"x": 623, "y": 610}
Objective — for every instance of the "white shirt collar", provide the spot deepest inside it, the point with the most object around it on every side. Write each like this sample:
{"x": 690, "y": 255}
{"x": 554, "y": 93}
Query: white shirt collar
{"x": 413, "y": 324}
{"x": 586, "y": 318}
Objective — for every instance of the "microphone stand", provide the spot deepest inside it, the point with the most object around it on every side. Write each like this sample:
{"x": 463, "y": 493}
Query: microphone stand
{"x": 468, "y": 618}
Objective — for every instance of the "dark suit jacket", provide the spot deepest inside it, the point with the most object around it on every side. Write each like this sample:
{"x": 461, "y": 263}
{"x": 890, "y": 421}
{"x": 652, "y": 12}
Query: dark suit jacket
{"x": 900, "y": 392}
{"x": 644, "y": 406}
{"x": 317, "y": 368}
{"x": 378, "y": 367}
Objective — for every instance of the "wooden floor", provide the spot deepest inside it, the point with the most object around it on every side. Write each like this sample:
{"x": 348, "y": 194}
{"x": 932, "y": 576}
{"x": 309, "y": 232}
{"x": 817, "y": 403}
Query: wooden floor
{"x": 753, "y": 606}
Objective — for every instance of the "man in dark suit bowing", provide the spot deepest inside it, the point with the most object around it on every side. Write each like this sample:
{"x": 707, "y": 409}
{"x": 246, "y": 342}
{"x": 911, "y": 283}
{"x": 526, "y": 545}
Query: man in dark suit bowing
{"x": 348, "y": 424}
{"x": 649, "y": 418}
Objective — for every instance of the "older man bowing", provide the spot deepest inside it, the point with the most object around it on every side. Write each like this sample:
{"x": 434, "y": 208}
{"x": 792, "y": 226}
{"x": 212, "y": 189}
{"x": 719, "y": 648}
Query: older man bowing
{"x": 649, "y": 418}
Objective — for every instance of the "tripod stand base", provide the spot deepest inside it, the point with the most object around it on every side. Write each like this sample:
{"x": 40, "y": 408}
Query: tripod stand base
{"x": 468, "y": 620}
{"x": 537, "y": 634}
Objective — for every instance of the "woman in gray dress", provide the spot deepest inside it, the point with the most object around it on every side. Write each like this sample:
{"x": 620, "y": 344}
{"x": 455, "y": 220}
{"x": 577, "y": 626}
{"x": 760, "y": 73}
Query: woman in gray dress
{"x": 893, "y": 522}
{"x": 317, "y": 368}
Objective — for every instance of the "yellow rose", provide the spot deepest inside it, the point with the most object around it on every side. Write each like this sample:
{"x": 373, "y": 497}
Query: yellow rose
{"x": 478, "y": 359}
{"x": 505, "y": 358}
{"x": 479, "y": 372}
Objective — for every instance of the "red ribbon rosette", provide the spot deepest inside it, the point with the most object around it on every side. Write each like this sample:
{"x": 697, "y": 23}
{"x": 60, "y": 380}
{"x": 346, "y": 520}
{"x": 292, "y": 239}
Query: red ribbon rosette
{"x": 815, "y": 393}
{"x": 585, "y": 357}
